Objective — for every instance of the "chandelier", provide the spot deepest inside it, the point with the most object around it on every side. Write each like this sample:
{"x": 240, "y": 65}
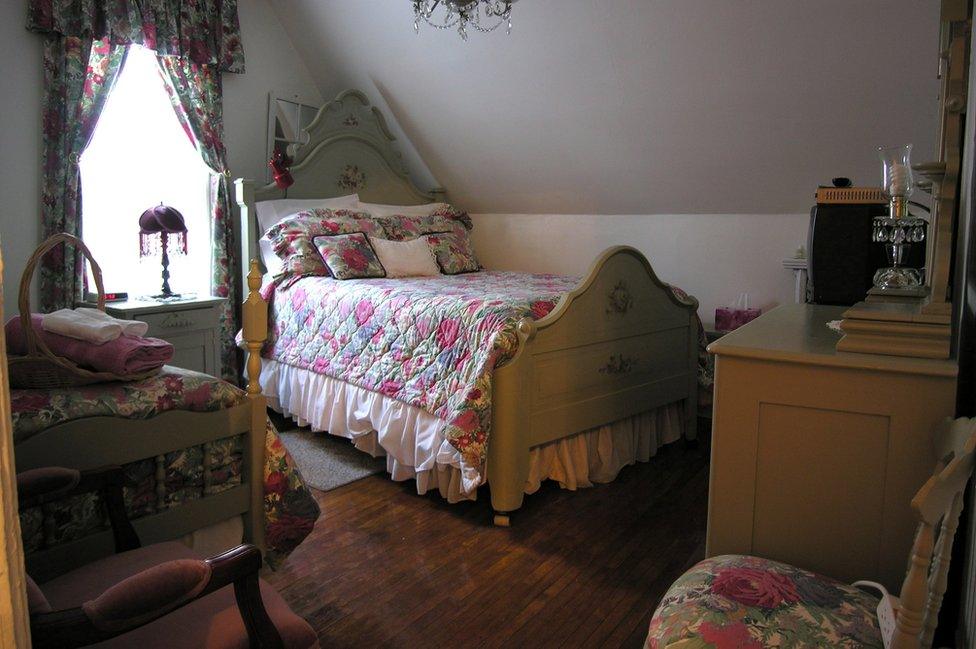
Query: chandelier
{"x": 481, "y": 15}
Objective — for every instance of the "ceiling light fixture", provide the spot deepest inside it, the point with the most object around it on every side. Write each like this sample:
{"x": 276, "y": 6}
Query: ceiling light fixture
{"x": 481, "y": 15}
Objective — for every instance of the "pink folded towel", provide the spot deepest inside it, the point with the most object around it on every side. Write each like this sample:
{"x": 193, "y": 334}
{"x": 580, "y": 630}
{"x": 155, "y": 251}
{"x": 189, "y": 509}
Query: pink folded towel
{"x": 124, "y": 356}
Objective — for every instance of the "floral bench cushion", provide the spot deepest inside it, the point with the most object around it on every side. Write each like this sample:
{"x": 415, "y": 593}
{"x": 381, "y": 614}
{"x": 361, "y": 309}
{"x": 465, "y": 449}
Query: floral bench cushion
{"x": 740, "y": 602}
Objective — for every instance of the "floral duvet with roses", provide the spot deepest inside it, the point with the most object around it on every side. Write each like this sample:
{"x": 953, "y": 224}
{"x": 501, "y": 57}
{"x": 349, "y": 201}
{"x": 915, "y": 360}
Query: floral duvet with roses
{"x": 431, "y": 342}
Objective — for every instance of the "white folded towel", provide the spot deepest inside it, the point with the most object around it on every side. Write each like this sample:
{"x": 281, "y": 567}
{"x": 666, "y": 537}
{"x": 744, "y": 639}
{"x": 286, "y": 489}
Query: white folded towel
{"x": 73, "y": 324}
{"x": 91, "y": 325}
{"x": 135, "y": 328}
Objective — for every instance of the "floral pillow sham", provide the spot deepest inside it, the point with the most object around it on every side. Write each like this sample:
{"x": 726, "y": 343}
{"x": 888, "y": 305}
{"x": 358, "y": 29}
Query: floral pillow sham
{"x": 291, "y": 239}
{"x": 349, "y": 256}
{"x": 403, "y": 228}
{"x": 453, "y": 252}
{"x": 441, "y": 210}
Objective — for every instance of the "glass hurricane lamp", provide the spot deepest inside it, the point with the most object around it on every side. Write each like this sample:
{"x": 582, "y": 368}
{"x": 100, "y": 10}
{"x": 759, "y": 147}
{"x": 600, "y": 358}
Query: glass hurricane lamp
{"x": 898, "y": 230}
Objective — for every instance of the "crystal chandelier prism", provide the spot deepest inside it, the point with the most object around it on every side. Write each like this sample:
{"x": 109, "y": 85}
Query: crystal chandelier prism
{"x": 481, "y": 15}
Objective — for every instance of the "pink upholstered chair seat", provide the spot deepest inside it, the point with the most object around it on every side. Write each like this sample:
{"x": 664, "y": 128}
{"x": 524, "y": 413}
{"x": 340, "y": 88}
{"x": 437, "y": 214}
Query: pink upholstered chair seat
{"x": 212, "y": 622}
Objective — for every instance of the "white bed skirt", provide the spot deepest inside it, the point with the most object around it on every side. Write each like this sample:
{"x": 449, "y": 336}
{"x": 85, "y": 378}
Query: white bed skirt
{"x": 414, "y": 447}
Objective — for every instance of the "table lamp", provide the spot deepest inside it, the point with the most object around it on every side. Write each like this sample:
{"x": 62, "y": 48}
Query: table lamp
{"x": 899, "y": 230}
{"x": 162, "y": 232}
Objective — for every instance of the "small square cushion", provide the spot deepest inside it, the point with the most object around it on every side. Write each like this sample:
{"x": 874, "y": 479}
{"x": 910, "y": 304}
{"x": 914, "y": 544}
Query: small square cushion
{"x": 748, "y": 602}
{"x": 292, "y": 239}
{"x": 453, "y": 252}
{"x": 413, "y": 258}
{"x": 349, "y": 256}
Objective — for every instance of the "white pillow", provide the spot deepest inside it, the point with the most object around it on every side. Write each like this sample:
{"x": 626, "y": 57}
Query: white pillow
{"x": 376, "y": 209}
{"x": 411, "y": 258}
{"x": 271, "y": 212}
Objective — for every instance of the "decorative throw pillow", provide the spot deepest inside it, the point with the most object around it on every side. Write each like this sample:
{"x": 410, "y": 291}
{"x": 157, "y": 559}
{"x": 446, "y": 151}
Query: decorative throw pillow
{"x": 349, "y": 256}
{"x": 453, "y": 252}
{"x": 291, "y": 239}
{"x": 413, "y": 258}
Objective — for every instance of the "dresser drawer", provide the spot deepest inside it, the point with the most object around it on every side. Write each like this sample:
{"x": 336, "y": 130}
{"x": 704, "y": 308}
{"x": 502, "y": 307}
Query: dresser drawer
{"x": 163, "y": 325}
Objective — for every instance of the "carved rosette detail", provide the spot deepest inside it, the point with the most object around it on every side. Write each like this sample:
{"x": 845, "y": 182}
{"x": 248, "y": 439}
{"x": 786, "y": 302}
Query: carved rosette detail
{"x": 619, "y": 364}
{"x": 351, "y": 121}
{"x": 352, "y": 179}
{"x": 620, "y": 299}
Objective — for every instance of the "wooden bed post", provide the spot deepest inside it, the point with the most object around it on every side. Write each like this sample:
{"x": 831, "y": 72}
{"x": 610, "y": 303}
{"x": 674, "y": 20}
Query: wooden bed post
{"x": 508, "y": 451}
{"x": 247, "y": 230}
{"x": 255, "y": 316}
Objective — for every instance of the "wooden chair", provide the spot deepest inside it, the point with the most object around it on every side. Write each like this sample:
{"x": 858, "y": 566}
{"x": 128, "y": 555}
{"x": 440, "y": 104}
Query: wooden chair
{"x": 159, "y": 595}
{"x": 751, "y": 602}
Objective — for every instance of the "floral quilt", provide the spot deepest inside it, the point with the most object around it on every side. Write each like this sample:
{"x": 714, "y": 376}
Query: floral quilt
{"x": 430, "y": 342}
{"x": 742, "y": 602}
{"x": 290, "y": 509}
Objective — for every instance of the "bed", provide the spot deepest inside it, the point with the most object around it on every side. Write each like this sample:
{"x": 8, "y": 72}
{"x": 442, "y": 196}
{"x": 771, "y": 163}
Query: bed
{"x": 202, "y": 461}
{"x": 612, "y": 352}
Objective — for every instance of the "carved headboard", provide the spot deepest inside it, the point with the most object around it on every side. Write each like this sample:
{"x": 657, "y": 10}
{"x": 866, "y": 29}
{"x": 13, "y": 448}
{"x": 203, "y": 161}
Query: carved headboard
{"x": 349, "y": 150}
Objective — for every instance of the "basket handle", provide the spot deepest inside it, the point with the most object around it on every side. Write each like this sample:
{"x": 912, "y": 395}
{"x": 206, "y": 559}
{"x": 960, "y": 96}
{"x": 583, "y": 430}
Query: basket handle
{"x": 32, "y": 341}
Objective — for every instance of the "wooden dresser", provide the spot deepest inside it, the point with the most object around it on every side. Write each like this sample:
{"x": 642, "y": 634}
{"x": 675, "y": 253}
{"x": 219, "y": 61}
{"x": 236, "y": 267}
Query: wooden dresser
{"x": 816, "y": 454}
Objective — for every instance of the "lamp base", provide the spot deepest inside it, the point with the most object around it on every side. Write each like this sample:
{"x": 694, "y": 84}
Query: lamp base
{"x": 166, "y": 296}
{"x": 897, "y": 277}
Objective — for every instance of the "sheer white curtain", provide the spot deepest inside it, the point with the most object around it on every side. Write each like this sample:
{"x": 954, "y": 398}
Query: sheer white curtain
{"x": 139, "y": 156}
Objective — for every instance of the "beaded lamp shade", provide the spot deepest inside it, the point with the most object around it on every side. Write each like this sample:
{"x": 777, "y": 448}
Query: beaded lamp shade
{"x": 162, "y": 232}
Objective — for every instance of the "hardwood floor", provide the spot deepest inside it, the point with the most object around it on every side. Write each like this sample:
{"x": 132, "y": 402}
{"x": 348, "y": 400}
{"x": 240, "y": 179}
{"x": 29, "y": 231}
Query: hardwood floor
{"x": 385, "y": 567}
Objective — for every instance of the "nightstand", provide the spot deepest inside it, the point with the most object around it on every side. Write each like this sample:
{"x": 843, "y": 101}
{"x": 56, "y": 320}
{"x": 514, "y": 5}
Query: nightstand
{"x": 191, "y": 326}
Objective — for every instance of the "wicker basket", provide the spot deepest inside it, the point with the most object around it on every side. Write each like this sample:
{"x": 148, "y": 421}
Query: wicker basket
{"x": 40, "y": 367}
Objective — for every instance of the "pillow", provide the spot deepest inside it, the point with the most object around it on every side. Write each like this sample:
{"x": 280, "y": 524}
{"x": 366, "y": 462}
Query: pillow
{"x": 349, "y": 256}
{"x": 453, "y": 252}
{"x": 430, "y": 209}
{"x": 377, "y": 209}
{"x": 401, "y": 228}
{"x": 268, "y": 213}
{"x": 413, "y": 258}
{"x": 291, "y": 239}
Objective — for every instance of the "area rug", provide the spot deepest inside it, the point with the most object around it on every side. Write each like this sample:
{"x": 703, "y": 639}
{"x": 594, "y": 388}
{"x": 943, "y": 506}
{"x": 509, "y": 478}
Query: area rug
{"x": 327, "y": 461}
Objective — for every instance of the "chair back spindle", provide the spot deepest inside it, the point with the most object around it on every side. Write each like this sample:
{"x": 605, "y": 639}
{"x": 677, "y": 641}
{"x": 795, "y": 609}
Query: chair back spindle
{"x": 938, "y": 505}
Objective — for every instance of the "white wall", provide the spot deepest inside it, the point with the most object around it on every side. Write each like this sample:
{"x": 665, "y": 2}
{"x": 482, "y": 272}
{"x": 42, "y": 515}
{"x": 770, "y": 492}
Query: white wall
{"x": 639, "y": 106}
{"x": 20, "y": 146}
{"x": 714, "y": 256}
{"x": 272, "y": 65}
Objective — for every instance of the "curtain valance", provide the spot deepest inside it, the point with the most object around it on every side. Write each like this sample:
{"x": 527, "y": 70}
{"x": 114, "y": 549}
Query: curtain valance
{"x": 206, "y": 32}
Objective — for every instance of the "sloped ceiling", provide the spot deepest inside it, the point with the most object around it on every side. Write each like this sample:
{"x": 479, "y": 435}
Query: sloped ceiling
{"x": 638, "y": 106}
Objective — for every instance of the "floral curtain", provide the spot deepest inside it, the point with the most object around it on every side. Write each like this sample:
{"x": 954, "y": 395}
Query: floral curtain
{"x": 195, "y": 92}
{"x": 78, "y": 76}
{"x": 194, "y": 40}
{"x": 206, "y": 32}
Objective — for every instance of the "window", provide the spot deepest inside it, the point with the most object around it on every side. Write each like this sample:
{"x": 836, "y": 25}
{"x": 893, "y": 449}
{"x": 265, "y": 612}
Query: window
{"x": 140, "y": 156}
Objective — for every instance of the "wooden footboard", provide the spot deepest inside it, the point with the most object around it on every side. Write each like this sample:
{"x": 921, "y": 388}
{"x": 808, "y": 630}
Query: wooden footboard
{"x": 620, "y": 344}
